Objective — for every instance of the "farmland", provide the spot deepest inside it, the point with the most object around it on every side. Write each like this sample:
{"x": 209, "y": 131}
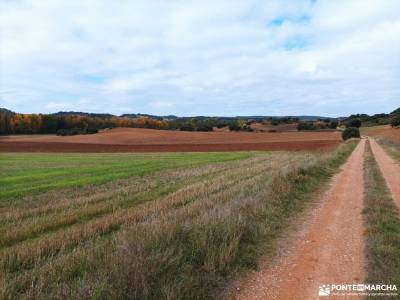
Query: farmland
{"x": 389, "y": 133}
{"x": 34, "y": 173}
{"x": 388, "y": 137}
{"x": 150, "y": 140}
{"x": 164, "y": 225}
{"x": 199, "y": 150}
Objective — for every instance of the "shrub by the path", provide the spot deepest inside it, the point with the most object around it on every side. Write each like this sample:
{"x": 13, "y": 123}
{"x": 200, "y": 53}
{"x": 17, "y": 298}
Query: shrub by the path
{"x": 351, "y": 132}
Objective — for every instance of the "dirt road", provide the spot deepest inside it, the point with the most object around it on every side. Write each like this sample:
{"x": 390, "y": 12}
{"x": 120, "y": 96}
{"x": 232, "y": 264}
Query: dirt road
{"x": 389, "y": 169}
{"x": 330, "y": 250}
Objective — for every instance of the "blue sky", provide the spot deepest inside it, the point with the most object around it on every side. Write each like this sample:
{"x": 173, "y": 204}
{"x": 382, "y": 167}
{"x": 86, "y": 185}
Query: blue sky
{"x": 271, "y": 57}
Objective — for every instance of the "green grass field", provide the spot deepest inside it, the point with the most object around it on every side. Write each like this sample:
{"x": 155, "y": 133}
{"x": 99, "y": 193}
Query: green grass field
{"x": 146, "y": 226}
{"x": 24, "y": 174}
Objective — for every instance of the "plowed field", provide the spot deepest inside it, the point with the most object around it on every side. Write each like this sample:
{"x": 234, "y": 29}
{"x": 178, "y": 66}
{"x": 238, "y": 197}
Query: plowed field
{"x": 148, "y": 140}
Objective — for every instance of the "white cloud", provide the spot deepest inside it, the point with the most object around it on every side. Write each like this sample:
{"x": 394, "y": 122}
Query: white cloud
{"x": 210, "y": 57}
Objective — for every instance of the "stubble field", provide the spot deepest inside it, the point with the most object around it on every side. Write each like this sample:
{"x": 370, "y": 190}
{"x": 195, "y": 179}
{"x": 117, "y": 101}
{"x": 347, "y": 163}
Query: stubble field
{"x": 146, "y": 225}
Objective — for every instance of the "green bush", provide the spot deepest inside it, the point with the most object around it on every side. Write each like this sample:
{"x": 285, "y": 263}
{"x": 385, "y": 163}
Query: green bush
{"x": 395, "y": 121}
{"x": 306, "y": 126}
{"x": 233, "y": 126}
{"x": 354, "y": 123}
{"x": 333, "y": 125}
{"x": 221, "y": 125}
{"x": 92, "y": 130}
{"x": 62, "y": 132}
{"x": 204, "y": 128}
{"x": 351, "y": 132}
{"x": 76, "y": 131}
{"x": 187, "y": 127}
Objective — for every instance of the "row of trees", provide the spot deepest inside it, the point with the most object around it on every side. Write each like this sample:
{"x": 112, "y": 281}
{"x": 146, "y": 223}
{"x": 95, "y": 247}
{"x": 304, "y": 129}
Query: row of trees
{"x": 373, "y": 120}
{"x": 393, "y": 120}
{"x": 320, "y": 125}
{"x": 15, "y": 123}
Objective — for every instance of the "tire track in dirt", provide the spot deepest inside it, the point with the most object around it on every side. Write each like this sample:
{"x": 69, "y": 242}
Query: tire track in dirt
{"x": 389, "y": 169}
{"x": 329, "y": 250}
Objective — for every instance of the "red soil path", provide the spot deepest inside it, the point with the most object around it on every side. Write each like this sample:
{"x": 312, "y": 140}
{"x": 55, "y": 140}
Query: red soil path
{"x": 329, "y": 251}
{"x": 148, "y": 140}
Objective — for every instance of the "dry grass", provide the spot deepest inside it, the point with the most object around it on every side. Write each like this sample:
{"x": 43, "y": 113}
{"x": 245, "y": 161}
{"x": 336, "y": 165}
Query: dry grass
{"x": 392, "y": 148}
{"x": 382, "y": 220}
{"x": 173, "y": 236}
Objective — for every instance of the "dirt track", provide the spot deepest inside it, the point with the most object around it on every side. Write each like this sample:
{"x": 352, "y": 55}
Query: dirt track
{"x": 148, "y": 140}
{"x": 389, "y": 169}
{"x": 329, "y": 251}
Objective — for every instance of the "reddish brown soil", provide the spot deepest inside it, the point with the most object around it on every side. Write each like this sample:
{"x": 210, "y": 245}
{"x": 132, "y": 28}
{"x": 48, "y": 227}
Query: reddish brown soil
{"x": 148, "y": 140}
{"x": 392, "y": 134}
{"x": 389, "y": 168}
{"x": 100, "y": 148}
{"x": 331, "y": 249}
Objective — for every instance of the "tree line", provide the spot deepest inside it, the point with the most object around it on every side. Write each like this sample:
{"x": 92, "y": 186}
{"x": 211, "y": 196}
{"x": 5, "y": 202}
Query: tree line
{"x": 81, "y": 123}
{"x": 16, "y": 123}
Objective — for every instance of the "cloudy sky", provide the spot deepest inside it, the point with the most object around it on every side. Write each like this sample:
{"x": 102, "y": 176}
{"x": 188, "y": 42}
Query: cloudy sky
{"x": 234, "y": 57}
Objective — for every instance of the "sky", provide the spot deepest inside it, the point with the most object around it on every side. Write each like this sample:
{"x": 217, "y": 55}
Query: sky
{"x": 234, "y": 57}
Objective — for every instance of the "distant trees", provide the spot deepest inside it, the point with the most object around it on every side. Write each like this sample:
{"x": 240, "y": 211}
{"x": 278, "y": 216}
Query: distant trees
{"x": 333, "y": 124}
{"x": 317, "y": 125}
{"x": 14, "y": 123}
{"x": 373, "y": 120}
{"x": 5, "y": 121}
{"x": 81, "y": 123}
{"x": 395, "y": 112}
{"x": 234, "y": 126}
{"x": 395, "y": 118}
{"x": 281, "y": 120}
{"x": 351, "y": 132}
{"x": 76, "y": 131}
{"x": 395, "y": 121}
{"x": 194, "y": 124}
{"x": 354, "y": 123}
{"x": 306, "y": 126}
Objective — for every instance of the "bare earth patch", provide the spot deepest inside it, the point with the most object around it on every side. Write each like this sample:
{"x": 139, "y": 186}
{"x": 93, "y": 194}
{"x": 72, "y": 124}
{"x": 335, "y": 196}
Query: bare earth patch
{"x": 386, "y": 131}
{"x": 149, "y": 140}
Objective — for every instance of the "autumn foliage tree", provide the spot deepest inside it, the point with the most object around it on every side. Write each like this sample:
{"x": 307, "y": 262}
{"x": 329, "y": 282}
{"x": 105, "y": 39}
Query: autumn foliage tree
{"x": 15, "y": 123}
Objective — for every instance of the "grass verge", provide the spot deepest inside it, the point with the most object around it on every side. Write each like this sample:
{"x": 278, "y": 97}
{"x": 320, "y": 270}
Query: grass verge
{"x": 382, "y": 220}
{"x": 392, "y": 148}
